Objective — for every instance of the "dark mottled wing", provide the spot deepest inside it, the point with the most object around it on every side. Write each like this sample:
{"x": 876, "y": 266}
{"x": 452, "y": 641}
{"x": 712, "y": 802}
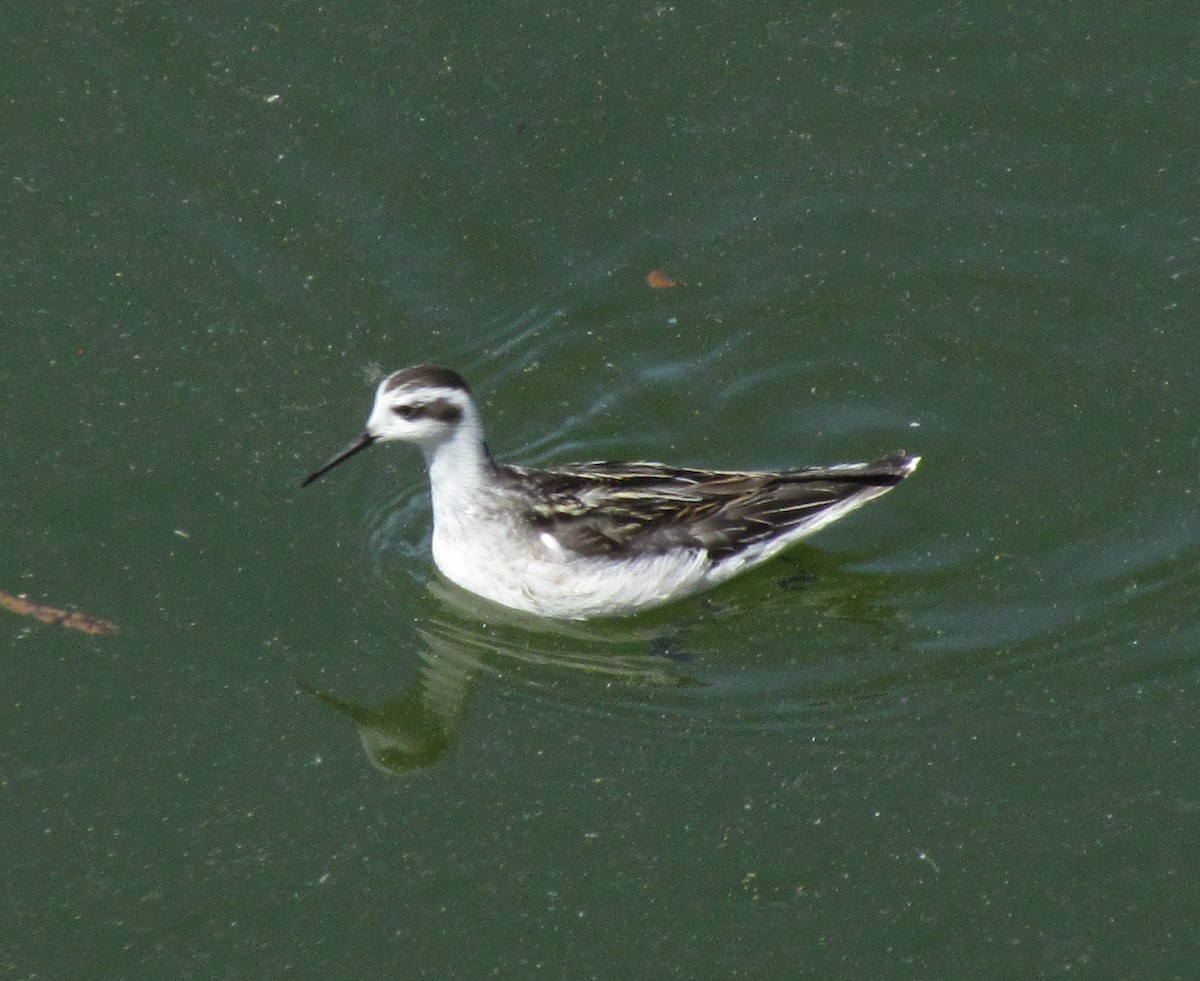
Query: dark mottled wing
{"x": 639, "y": 508}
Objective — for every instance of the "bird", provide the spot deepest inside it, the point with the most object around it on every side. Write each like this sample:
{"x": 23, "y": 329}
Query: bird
{"x": 588, "y": 540}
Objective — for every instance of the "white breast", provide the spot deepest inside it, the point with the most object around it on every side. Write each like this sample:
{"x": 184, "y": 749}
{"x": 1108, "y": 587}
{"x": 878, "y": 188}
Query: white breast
{"x": 533, "y": 573}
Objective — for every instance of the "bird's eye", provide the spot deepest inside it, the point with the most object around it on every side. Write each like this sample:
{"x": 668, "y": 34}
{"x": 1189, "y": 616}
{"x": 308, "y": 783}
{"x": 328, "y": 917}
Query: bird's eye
{"x": 406, "y": 411}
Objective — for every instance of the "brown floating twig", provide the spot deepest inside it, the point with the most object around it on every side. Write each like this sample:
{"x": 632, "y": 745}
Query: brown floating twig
{"x": 71, "y": 619}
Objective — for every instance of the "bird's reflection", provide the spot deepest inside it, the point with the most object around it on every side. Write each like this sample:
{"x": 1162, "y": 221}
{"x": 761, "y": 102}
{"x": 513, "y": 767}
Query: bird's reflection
{"x": 459, "y": 638}
{"x": 414, "y": 730}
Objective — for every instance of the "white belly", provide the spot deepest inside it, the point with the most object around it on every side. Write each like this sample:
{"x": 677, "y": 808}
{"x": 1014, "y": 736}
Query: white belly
{"x": 536, "y": 576}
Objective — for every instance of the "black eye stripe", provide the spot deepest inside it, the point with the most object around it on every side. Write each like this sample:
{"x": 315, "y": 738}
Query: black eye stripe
{"x": 442, "y": 410}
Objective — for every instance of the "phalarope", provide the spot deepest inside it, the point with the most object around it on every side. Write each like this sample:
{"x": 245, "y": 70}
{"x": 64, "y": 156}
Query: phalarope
{"x": 597, "y": 539}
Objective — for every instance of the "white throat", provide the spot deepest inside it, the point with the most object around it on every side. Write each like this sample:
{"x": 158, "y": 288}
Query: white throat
{"x": 460, "y": 465}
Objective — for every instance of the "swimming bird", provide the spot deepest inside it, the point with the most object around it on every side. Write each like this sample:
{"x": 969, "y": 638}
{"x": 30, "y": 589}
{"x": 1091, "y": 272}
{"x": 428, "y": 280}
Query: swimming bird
{"x": 587, "y": 540}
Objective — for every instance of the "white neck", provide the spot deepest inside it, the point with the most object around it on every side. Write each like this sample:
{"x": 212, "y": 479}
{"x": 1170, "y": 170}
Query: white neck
{"x": 460, "y": 465}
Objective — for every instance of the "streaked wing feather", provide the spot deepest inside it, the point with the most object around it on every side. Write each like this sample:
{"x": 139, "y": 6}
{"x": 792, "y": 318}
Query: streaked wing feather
{"x": 614, "y": 509}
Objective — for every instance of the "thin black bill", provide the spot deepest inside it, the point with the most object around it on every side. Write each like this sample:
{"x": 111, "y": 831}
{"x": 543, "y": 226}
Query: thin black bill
{"x": 363, "y": 441}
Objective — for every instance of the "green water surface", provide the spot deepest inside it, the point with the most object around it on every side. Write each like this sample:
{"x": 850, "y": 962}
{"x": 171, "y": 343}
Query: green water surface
{"x": 953, "y": 736}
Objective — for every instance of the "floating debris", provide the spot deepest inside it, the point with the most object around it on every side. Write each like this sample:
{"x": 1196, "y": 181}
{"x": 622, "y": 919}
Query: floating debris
{"x": 71, "y": 619}
{"x": 656, "y": 279}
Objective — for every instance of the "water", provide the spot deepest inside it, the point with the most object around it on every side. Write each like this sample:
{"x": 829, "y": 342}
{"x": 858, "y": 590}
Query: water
{"x": 952, "y": 735}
